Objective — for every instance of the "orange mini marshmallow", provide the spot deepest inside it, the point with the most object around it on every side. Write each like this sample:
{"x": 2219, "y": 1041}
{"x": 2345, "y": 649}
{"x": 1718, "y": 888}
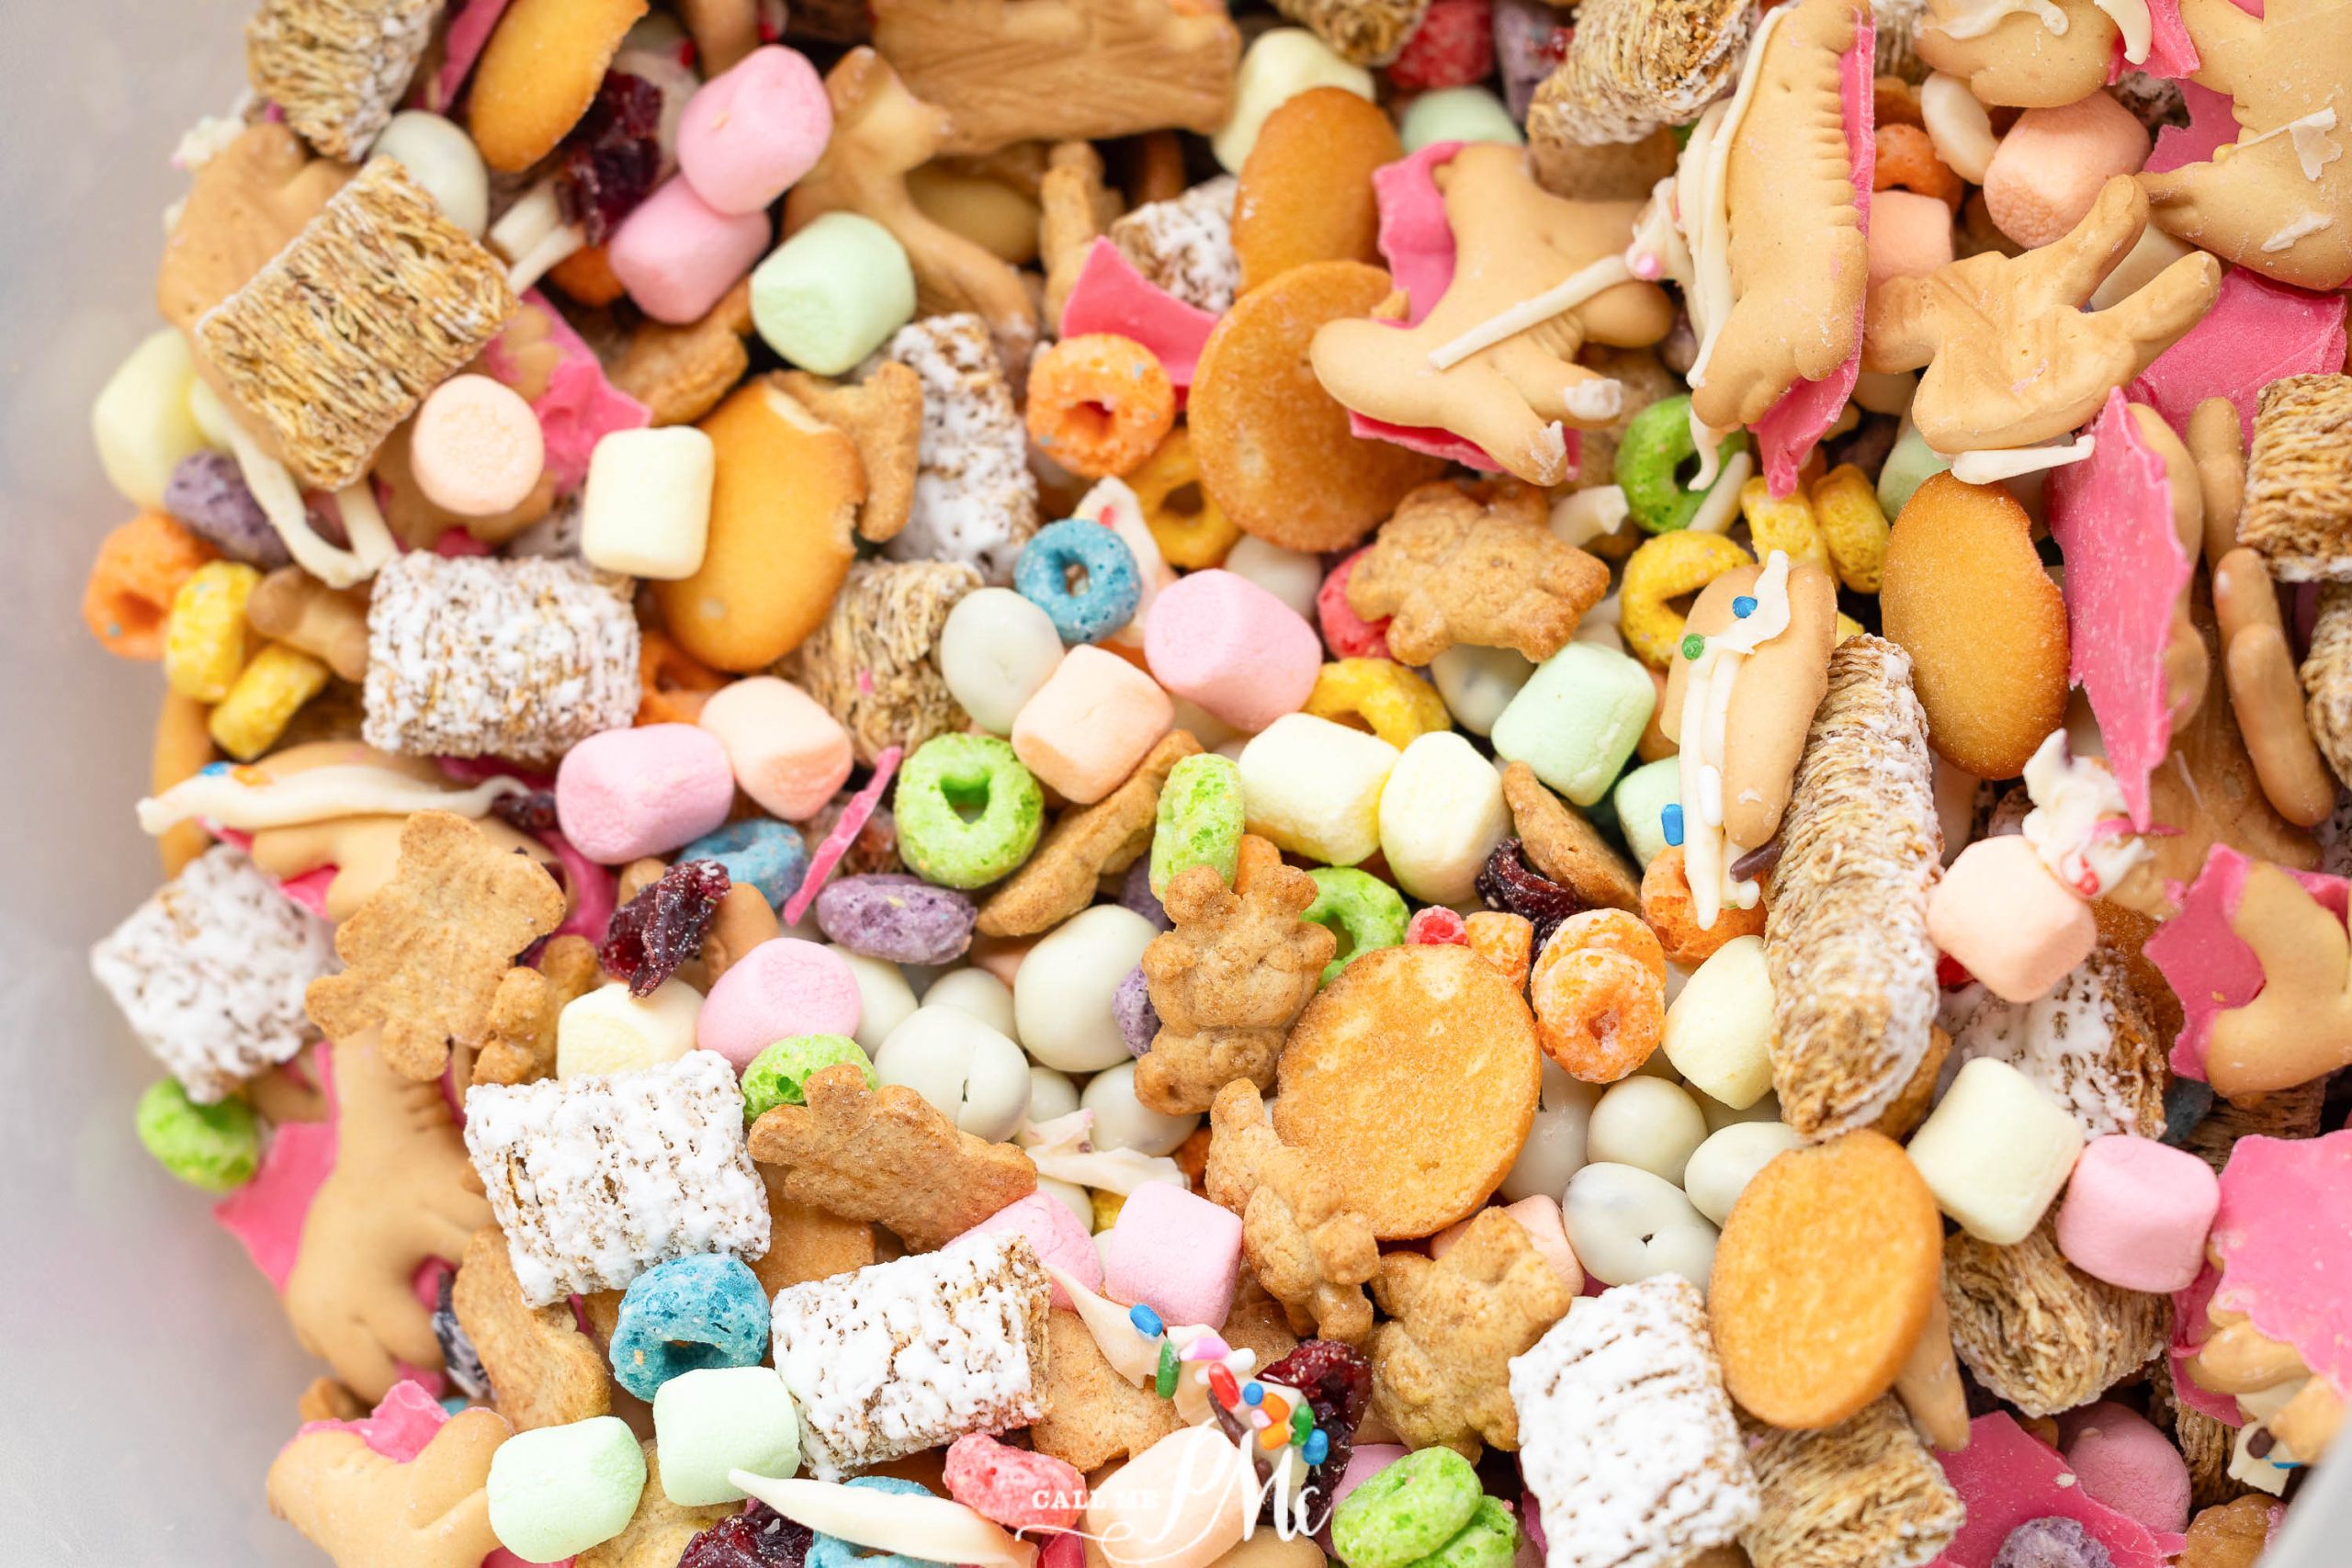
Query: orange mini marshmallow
{"x": 2049, "y": 168}
{"x": 788, "y": 752}
{"x": 1910, "y": 236}
{"x": 477, "y": 448}
{"x": 2016, "y": 927}
{"x": 1084, "y": 730}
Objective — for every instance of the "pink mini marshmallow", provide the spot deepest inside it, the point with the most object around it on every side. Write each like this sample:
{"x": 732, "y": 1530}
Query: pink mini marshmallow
{"x": 2122, "y": 1461}
{"x": 788, "y": 753}
{"x": 476, "y": 447}
{"x": 627, "y": 794}
{"x": 1910, "y": 236}
{"x": 1057, "y": 1236}
{"x": 2048, "y": 170}
{"x": 1177, "y": 1254}
{"x": 2136, "y": 1215}
{"x": 676, "y": 254}
{"x": 2000, "y": 912}
{"x": 1084, "y": 730}
{"x": 782, "y": 987}
{"x": 1540, "y": 1217}
{"x": 749, "y": 133}
{"x": 1222, "y": 641}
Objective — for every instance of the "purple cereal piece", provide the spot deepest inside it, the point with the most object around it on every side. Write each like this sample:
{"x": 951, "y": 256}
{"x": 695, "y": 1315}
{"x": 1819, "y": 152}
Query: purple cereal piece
{"x": 1136, "y": 894}
{"x": 2053, "y": 1543}
{"x": 207, "y": 493}
{"x": 1531, "y": 40}
{"x": 903, "y": 918}
{"x": 1131, "y": 1006}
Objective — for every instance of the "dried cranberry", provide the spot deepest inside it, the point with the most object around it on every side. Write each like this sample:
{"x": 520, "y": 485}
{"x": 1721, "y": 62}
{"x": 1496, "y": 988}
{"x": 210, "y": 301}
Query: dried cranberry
{"x": 1337, "y": 1382}
{"x": 530, "y": 813}
{"x": 663, "y": 926}
{"x": 613, "y": 156}
{"x": 759, "y": 1537}
{"x": 1508, "y": 883}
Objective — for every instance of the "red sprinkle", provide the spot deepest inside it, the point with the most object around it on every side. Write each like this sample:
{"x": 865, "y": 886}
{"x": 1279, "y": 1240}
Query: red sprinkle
{"x": 1950, "y": 974}
{"x": 846, "y": 828}
{"x": 1221, "y": 1383}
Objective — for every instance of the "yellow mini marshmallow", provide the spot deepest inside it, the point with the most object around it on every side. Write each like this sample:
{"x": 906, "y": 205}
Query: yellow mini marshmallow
{"x": 609, "y": 1030}
{"x": 1719, "y": 1029}
{"x": 1441, "y": 814}
{"x": 1995, "y": 1151}
{"x": 206, "y": 638}
{"x": 142, "y": 420}
{"x": 647, "y": 508}
{"x": 266, "y": 698}
{"x": 1313, "y": 787}
{"x": 1393, "y": 702}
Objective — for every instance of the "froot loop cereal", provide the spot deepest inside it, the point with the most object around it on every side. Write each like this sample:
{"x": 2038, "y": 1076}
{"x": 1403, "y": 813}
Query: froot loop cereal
{"x": 856, "y": 778}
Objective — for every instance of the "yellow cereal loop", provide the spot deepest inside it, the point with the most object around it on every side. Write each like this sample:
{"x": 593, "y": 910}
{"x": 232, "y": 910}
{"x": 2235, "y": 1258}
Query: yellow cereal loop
{"x": 267, "y": 697}
{"x": 1381, "y": 695}
{"x": 1106, "y": 1206}
{"x": 1848, "y": 627}
{"x": 1853, "y": 525}
{"x": 1192, "y": 536}
{"x": 1665, "y": 568}
{"x": 204, "y": 636}
{"x": 1782, "y": 524}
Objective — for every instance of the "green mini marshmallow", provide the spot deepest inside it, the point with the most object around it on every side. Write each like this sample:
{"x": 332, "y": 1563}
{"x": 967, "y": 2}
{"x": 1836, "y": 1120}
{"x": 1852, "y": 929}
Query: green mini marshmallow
{"x": 707, "y": 1422}
{"x": 777, "y": 1074}
{"x": 1408, "y": 1511}
{"x": 832, "y": 293}
{"x": 1456, "y": 114}
{"x": 216, "y": 1147}
{"x": 1577, "y": 719}
{"x": 1911, "y": 464}
{"x": 554, "y": 1492}
{"x": 1639, "y": 798}
{"x": 1364, "y": 911}
{"x": 1200, "y": 820}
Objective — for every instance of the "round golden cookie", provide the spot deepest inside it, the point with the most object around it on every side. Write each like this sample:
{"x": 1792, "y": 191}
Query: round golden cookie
{"x": 1274, "y": 446}
{"x": 1967, "y": 597}
{"x": 1828, "y": 1266}
{"x": 1412, "y": 1078}
{"x": 541, "y": 72}
{"x": 1306, "y": 191}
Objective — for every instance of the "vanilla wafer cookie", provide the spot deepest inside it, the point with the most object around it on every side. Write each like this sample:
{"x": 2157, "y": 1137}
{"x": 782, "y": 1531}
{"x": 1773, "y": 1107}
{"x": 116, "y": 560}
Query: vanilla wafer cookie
{"x": 1635, "y": 66}
{"x": 1853, "y": 973}
{"x": 908, "y": 1355}
{"x": 1626, "y": 1437}
{"x": 2091, "y": 1043}
{"x": 976, "y": 501}
{"x": 1864, "y": 1494}
{"x": 337, "y": 68}
{"x": 2298, "y": 507}
{"x": 596, "y": 1179}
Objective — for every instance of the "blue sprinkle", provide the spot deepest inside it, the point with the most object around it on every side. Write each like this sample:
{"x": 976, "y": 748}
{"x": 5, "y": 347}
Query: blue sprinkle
{"x": 1743, "y": 607}
{"x": 1318, "y": 1448}
{"x": 1670, "y": 819}
{"x": 1146, "y": 1321}
{"x": 213, "y": 770}
{"x": 455, "y": 1403}
{"x": 1253, "y": 1393}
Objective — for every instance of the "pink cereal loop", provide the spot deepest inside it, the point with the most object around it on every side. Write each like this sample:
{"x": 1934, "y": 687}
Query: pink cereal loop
{"x": 846, "y": 828}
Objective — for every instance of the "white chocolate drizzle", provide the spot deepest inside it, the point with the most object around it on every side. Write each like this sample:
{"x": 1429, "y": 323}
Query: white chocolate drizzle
{"x": 233, "y": 798}
{"x": 1976, "y": 21}
{"x": 1059, "y": 1148}
{"x": 1985, "y": 467}
{"x": 1716, "y": 513}
{"x": 2132, "y": 19}
{"x": 2315, "y": 149}
{"x": 2302, "y": 228}
{"x": 1958, "y": 126}
{"x": 280, "y": 500}
{"x": 2079, "y": 824}
{"x": 1587, "y": 282}
{"x": 931, "y": 1529}
{"x": 1709, "y": 682}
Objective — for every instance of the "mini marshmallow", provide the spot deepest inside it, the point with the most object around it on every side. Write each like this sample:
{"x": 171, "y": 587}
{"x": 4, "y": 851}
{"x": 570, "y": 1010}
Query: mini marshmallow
{"x": 1648, "y": 1123}
{"x": 1059, "y": 1235}
{"x": 754, "y": 129}
{"x": 1220, "y": 640}
{"x": 1720, "y": 1169}
{"x": 1441, "y": 814}
{"x": 787, "y": 752}
{"x": 646, "y": 511}
{"x": 1457, "y": 114}
{"x": 834, "y": 293}
{"x": 1084, "y": 730}
{"x": 1179, "y": 1503}
{"x": 1719, "y": 1027}
{"x": 554, "y": 1492}
{"x": 1279, "y": 64}
{"x": 1639, "y": 801}
{"x": 1627, "y": 1224}
{"x": 1577, "y": 719}
{"x": 476, "y": 447}
{"x": 676, "y": 254}
{"x": 1174, "y": 1253}
{"x": 885, "y": 1001}
{"x": 2137, "y": 1212}
{"x": 1910, "y": 234}
{"x": 2123, "y": 1461}
{"x": 2017, "y": 927}
{"x": 1539, "y": 1216}
{"x": 2049, "y": 168}
{"x": 1292, "y": 576}
{"x": 989, "y": 999}
{"x": 141, "y": 420}
{"x": 716, "y": 1420}
{"x": 1995, "y": 1150}
{"x": 625, "y": 794}
{"x": 609, "y": 1031}
{"x": 1062, "y": 995}
{"x": 1477, "y": 683}
{"x": 1554, "y": 1149}
{"x": 1122, "y": 1122}
{"x": 782, "y": 988}
{"x": 973, "y": 1074}
{"x": 1313, "y": 787}
{"x": 996, "y": 649}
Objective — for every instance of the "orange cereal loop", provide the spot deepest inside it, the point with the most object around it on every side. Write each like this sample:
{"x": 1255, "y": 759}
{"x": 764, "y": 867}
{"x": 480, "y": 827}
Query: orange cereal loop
{"x": 1907, "y": 161}
{"x": 586, "y": 275}
{"x": 1503, "y": 940}
{"x": 675, "y": 685}
{"x": 1099, "y": 404}
{"x": 139, "y": 567}
{"x": 1666, "y": 905}
{"x": 1598, "y": 989}
{"x": 1190, "y": 530}
{"x": 1895, "y": 102}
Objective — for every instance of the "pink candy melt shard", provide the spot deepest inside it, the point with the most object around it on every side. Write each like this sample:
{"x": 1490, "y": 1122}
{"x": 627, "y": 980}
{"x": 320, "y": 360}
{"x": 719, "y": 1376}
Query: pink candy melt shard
{"x": 846, "y": 829}
{"x": 2172, "y": 53}
{"x": 468, "y": 33}
{"x": 2257, "y": 331}
{"x": 265, "y": 1214}
{"x": 2007, "y": 1476}
{"x": 1789, "y": 428}
{"x": 1414, "y": 237}
{"x": 2286, "y": 1211}
{"x": 2205, "y": 963}
{"x": 1110, "y": 295}
{"x": 2189, "y": 1329}
{"x": 2125, "y": 568}
{"x": 580, "y": 407}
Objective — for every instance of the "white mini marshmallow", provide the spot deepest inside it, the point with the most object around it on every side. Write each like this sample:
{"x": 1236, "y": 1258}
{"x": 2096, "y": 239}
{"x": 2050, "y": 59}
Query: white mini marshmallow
{"x": 1122, "y": 1122}
{"x": 1627, "y": 1224}
{"x": 646, "y": 511}
{"x": 1995, "y": 1150}
{"x": 962, "y": 1067}
{"x": 1721, "y": 1168}
{"x": 1647, "y": 1122}
{"x": 1719, "y": 1027}
{"x": 884, "y": 996}
{"x": 1441, "y": 814}
{"x": 1313, "y": 787}
{"x": 1554, "y": 1149}
{"x": 609, "y": 1030}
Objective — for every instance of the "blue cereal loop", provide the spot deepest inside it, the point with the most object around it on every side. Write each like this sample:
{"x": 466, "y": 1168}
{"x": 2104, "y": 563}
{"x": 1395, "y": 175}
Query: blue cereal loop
{"x": 1669, "y": 820}
{"x": 765, "y": 853}
{"x": 685, "y": 1316}
{"x": 1112, "y": 590}
{"x": 1743, "y": 607}
{"x": 831, "y": 1551}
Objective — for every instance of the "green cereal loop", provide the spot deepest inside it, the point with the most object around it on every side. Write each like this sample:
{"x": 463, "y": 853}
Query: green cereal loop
{"x": 216, "y": 1147}
{"x": 1199, "y": 821}
{"x": 1656, "y": 445}
{"x": 948, "y": 775}
{"x": 1490, "y": 1541}
{"x": 1364, "y": 910}
{"x": 1408, "y": 1511}
{"x": 777, "y": 1073}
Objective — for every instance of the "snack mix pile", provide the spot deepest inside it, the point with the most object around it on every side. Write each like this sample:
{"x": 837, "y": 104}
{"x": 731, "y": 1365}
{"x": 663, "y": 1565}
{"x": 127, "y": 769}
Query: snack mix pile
{"x": 1451, "y": 783}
